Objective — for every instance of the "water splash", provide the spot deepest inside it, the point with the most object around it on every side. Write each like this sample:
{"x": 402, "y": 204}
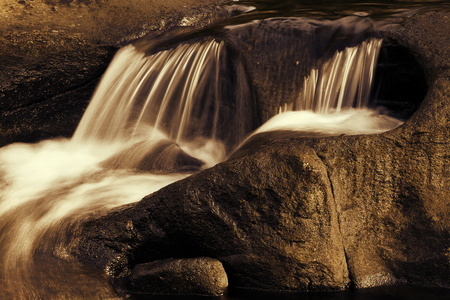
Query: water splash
{"x": 45, "y": 187}
{"x": 350, "y": 121}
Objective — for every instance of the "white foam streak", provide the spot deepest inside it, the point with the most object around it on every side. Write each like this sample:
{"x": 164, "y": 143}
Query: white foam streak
{"x": 348, "y": 121}
{"x": 45, "y": 184}
{"x": 210, "y": 151}
{"x": 30, "y": 170}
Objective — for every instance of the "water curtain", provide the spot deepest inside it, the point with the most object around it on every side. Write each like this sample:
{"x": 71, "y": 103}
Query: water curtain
{"x": 344, "y": 81}
{"x": 188, "y": 92}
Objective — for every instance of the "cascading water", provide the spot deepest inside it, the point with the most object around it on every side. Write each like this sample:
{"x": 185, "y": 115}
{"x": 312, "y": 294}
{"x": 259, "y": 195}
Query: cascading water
{"x": 155, "y": 118}
{"x": 157, "y": 90}
{"x": 335, "y": 99}
{"x": 343, "y": 81}
{"x": 162, "y": 113}
{"x": 181, "y": 94}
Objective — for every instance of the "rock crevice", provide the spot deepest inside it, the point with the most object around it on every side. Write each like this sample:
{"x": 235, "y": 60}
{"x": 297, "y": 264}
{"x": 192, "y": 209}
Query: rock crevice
{"x": 338, "y": 213}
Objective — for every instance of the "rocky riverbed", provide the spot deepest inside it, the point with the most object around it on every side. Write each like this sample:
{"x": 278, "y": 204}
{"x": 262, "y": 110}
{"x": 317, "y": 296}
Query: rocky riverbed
{"x": 284, "y": 213}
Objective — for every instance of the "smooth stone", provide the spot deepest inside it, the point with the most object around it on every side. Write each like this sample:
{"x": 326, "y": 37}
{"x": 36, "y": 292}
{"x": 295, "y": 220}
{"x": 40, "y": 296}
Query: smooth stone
{"x": 189, "y": 276}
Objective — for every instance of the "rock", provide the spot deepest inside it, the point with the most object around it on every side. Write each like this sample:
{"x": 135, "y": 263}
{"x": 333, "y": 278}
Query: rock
{"x": 392, "y": 214}
{"x": 191, "y": 276}
{"x": 55, "y": 116}
{"x": 392, "y": 189}
{"x": 270, "y": 218}
{"x": 161, "y": 157}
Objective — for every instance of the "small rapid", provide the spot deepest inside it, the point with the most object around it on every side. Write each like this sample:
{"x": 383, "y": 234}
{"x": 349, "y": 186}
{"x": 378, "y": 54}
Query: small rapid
{"x": 46, "y": 189}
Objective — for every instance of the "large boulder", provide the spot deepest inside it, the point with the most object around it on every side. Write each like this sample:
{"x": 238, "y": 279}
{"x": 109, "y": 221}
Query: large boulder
{"x": 392, "y": 189}
{"x": 270, "y": 218}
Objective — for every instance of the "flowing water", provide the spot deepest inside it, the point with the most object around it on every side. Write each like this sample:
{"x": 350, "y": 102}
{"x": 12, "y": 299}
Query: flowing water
{"x": 163, "y": 113}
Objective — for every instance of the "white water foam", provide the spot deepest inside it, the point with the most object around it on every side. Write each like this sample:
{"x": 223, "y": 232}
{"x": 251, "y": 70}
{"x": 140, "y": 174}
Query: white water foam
{"x": 45, "y": 184}
{"x": 350, "y": 121}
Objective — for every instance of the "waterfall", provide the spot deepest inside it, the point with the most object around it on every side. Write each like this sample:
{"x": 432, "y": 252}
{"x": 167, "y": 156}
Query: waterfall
{"x": 157, "y": 90}
{"x": 335, "y": 98}
{"x": 180, "y": 94}
{"x": 343, "y": 81}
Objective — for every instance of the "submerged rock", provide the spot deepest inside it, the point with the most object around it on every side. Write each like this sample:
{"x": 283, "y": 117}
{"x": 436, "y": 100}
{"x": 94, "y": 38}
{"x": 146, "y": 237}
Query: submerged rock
{"x": 158, "y": 157}
{"x": 191, "y": 276}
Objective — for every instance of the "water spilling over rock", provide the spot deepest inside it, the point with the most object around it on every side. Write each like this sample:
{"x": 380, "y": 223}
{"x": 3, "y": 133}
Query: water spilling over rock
{"x": 188, "y": 93}
{"x": 344, "y": 81}
{"x": 174, "y": 109}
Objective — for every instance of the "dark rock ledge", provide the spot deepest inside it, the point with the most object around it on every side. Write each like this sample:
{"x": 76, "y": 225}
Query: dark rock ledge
{"x": 270, "y": 218}
{"x": 295, "y": 214}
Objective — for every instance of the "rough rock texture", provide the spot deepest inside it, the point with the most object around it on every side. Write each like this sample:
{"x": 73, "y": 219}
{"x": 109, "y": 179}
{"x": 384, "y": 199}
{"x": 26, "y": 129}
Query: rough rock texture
{"x": 393, "y": 190}
{"x": 190, "y": 276}
{"x": 53, "y": 52}
{"x": 274, "y": 230}
{"x": 297, "y": 213}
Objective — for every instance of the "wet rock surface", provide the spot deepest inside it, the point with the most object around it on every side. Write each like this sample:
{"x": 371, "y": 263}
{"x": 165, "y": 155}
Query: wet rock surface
{"x": 299, "y": 213}
{"x": 161, "y": 158}
{"x": 191, "y": 276}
